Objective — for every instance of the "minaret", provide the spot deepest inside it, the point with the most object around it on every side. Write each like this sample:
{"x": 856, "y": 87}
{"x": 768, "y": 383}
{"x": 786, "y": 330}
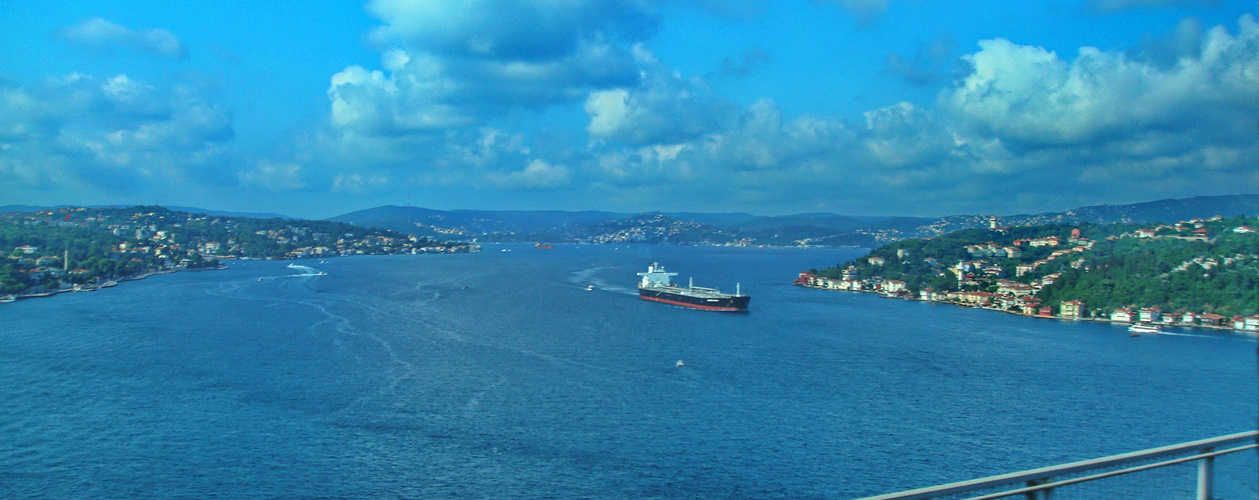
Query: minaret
{"x": 66, "y": 261}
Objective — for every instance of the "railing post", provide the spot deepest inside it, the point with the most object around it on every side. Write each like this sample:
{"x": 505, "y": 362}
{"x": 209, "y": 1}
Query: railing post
{"x": 1206, "y": 475}
{"x": 1044, "y": 494}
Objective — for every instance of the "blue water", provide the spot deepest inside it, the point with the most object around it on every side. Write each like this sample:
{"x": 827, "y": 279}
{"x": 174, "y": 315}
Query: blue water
{"x": 498, "y": 375}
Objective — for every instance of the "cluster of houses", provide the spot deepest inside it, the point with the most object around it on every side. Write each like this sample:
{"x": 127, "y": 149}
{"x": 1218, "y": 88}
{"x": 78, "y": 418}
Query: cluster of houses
{"x": 1016, "y": 297}
{"x": 1153, "y": 315}
{"x": 1192, "y": 230}
{"x": 162, "y": 239}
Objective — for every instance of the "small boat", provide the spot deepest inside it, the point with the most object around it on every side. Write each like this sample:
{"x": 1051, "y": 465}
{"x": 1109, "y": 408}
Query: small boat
{"x": 590, "y": 288}
{"x": 8, "y": 298}
{"x": 679, "y": 364}
{"x": 1144, "y": 328}
{"x": 544, "y": 245}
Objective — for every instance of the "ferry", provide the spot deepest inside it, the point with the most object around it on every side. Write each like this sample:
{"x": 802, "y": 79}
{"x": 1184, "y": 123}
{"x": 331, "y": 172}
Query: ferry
{"x": 1145, "y": 328}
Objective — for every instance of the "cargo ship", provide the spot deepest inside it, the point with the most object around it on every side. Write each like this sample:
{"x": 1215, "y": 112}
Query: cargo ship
{"x": 656, "y": 286}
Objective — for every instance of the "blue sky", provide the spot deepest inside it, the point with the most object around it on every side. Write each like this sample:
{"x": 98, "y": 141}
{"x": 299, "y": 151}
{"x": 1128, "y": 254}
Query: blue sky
{"x": 863, "y": 107}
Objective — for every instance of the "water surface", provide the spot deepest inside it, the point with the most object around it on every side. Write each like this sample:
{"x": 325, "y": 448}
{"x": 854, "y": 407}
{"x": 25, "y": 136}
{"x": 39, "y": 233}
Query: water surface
{"x": 499, "y": 375}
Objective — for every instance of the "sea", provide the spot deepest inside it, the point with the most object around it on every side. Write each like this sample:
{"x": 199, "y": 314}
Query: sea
{"x": 519, "y": 372}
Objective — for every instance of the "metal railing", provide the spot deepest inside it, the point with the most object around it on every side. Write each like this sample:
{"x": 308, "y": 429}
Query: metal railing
{"x": 1039, "y": 484}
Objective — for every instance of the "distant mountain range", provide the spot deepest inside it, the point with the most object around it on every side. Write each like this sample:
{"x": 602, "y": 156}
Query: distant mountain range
{"x": 4, "y": 209}
{"x": 688, "y": 228}
{"x": 825, "y": 229}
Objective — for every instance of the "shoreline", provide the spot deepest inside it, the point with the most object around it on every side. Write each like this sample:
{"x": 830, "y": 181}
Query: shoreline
{"x": 110, "y": 283}
{"x": 1251, "y": 334}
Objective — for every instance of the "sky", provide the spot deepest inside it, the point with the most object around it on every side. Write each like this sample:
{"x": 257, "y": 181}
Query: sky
{"x": 860, "y": 107}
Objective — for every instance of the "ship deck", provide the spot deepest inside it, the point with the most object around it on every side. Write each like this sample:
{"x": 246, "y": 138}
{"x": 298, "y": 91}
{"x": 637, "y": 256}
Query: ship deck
{"x": 701, "y": 292}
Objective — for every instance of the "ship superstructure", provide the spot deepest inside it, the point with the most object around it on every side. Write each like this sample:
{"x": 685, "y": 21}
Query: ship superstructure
{"x": 657, "y": 285}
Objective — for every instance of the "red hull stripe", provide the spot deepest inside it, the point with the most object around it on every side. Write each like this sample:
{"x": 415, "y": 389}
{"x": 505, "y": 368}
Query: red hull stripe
{"x": 694, "y": 306}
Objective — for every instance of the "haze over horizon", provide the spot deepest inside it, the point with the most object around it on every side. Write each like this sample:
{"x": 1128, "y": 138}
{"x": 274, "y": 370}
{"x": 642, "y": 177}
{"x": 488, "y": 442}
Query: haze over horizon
{"x": 860, "y": 107}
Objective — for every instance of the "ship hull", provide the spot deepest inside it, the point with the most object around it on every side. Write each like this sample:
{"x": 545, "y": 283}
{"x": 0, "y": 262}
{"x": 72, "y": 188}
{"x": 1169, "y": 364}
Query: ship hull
{"x": 730, "y": 303}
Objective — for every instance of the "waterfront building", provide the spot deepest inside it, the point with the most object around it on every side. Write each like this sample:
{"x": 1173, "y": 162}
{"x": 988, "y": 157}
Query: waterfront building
{"x": 1072, "y": 309}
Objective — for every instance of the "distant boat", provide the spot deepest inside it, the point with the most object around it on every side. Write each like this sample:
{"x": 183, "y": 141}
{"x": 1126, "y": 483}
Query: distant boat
{"x": 590, "y": 288}
{"x": 544, "y": 245}
{"x": 1145, "y": 328}
{"x": 679, "y": 364}
{"x": 8, "y": 298}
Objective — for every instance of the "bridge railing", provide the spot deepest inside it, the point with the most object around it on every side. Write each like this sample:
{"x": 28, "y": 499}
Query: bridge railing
{"x": 1040, "y": 484}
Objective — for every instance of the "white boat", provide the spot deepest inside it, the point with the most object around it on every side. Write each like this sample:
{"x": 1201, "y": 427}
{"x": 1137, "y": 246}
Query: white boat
{"x": 590, "y": 288}
{"x": 1145, "y": 328}
{"x": 8, "y": 298}
{"x": 679, "y": 364}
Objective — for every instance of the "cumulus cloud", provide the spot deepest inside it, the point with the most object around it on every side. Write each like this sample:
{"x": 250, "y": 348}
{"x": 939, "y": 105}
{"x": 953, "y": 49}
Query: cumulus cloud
{"x": 460, "y": 64}
{"x": 450, "y": 69}
{"x": 1023, "y": 128}
{"x": 99, "y": 34}
{"x": 113, "y": 134}
{"x": 1032, "y": 97}
{"x": 1014, "y": 126}
{"x": 662, "y": 108}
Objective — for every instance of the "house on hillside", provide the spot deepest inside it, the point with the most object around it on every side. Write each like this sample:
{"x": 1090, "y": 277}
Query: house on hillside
{"x": 1028, "y": 305}
{"x": 1122, "y": 315}
{"x": 1151, "y": 315}
{"x": 1071, "y": 309}
{"x": 1210, "y": 319}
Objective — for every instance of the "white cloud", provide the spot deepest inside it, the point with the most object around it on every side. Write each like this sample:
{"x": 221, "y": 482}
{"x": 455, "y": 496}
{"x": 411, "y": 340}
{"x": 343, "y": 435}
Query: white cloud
{"x": 662, "y": 108}
{"x": 450, "y": 69}
{"x": 97, "y": 33}
{"x": 274, "y": 176}
{"x": 356, "y": 183}
{"x": 1031, "y": 97}
{"x": 537, "y": 175}
{"x": 1024, "y": 127}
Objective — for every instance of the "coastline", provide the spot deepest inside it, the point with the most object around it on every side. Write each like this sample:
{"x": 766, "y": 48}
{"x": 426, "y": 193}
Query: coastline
{"x": 1247, "y": 333}
{"x": 98, "y": 285}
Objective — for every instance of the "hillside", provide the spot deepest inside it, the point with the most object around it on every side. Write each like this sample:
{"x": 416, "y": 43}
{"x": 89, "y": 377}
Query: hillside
{"x": 1201, "y": 266}
{"x": 51, "y": 250}
{"x": 819, "y": 229}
